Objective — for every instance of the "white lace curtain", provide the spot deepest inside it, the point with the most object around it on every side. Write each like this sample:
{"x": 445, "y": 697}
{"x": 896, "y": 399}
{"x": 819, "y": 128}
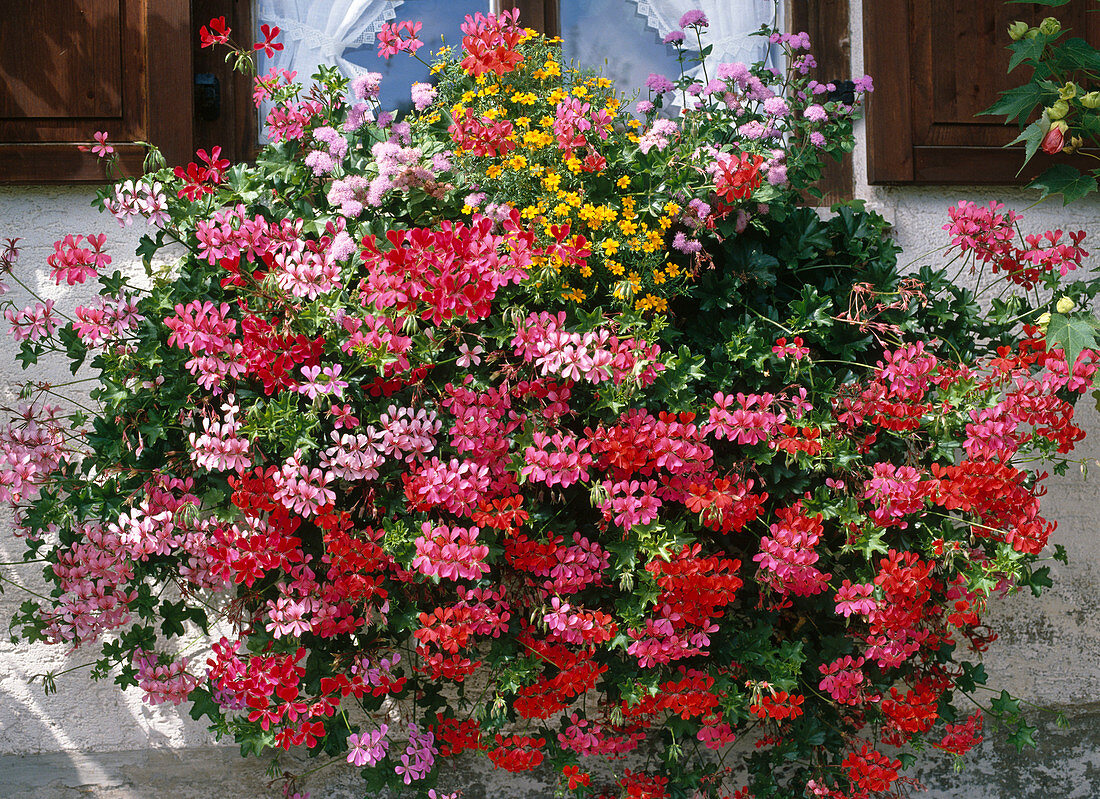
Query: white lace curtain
{"x": 731, "y": 22}
{"x": 321, "y": 31}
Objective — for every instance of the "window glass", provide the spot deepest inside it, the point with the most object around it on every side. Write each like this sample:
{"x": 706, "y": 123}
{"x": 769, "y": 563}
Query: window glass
{"x": 623, "y": 38}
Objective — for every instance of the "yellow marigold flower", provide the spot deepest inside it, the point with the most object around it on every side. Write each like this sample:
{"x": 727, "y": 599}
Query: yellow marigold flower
{"x": 538, "y": 74}
{"x": 552, "y": 67}
{"x": 671, "y": 208}
{"x": 652, "y": 303}
{"x": 494, "y": 171}
{"x": 562, "y": 209}
{"x": 576, "y": 295}
{"x": 536, "y": 169}
{"x": 658, "y": 277}
{"x": 623, "y": 182}
{"x": 529, "y": 212}
{"x": 665, "y": 222}
{"x": 635, "y": 280}
{"x": 467, "y": 209}
{"x": 633, "y": 123}
{"x": 573, "y": 164}
{"x": 524, "y": 98}
{"x": 580, "y": 91}
{"x": 516, "y": 162}
{"x": 437, "y": 67}
{"x": 671, "y": 269}
{"x": 546, "y": 122}
{"x": 614, "y": 266}
{"x": 492, "y": 113}
{"x": 431, "y": 119}
{"x": 586, "y": 271}
{"x": 610, "y": 246}
{"x": 557, "y": 96}
{"x": 458, "y": 110}
{"x": 523, "y": 122}
{"x": 481, "y": 79}
{"x": 627, "y": 227}
{"x": 573, "y": 198}
{"x": 603, "y": 83}
{"x": 468, "y": 96}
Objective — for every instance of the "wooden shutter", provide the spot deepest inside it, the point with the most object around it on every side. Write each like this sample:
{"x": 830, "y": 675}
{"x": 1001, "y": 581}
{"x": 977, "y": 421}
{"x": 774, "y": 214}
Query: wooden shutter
{"x": 827, "y": 23}
{"x": 936, "y": 64}
{"x": 235, "y": 129}
{"x": 71, "y": 67}
{"x": 542, "y": 15}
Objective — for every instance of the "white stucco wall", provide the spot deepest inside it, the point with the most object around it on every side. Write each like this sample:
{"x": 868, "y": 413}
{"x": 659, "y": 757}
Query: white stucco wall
{"x": 89, "y": 739}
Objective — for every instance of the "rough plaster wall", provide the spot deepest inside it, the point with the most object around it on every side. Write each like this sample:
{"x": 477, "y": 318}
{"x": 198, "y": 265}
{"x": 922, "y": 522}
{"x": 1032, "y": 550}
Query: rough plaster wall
{"x": 90, "y": 740}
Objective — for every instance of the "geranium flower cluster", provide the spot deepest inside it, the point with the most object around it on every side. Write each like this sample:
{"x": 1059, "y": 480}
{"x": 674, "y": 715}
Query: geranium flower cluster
{"x": 515, "y": 464}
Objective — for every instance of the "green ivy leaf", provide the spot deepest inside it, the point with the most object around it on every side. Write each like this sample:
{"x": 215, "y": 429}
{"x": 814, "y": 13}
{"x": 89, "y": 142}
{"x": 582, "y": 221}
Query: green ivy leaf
{"x": 1065, "y": 180}
{"x": 1072, "y": 334}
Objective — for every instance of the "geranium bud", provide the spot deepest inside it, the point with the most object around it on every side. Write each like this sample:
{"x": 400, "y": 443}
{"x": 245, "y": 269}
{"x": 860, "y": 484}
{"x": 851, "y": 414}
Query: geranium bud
{"x": 1058, "y": 110}
{"x": 1017, "y": 30}
{"x": 1068, "y": 92}
{"x": 1090, "y": 100}
{"x": 1065, "y": 305}
{"x": 1049, "y": 26}
{"x": 1044, "y": 320}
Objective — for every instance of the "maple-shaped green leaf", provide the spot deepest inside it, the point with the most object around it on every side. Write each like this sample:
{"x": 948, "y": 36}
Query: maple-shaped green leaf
{"x": 1072, "y": 334}
{"x": 1064, "y": 179}
{"x": 1017, "y": 103}
{"x": 1032, "y": 137}
{"x": 1027, "y": 49}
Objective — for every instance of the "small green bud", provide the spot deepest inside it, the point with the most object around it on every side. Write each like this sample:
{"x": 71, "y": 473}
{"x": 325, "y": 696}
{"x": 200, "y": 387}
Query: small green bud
{"x": 1017, "y": 30}
{"x": 1058, "y": 110}
{"x": 1065, "y": 305}
{"x": 1044, "y": 320}
{"x": 1090, "y": 100}
{"x": 1049, "y": 26}
{"x": 1068, "y": 92}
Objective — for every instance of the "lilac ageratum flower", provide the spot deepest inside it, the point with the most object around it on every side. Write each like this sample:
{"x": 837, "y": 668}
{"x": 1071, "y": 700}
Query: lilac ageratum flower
{"x": 674, "y": 37}
{"x": 776, "y": 106}
{"x": 357, "y": 115}
{"x": 343, "y": 247}
{"x": 777, "y": 174}
{"x": 737, "y": 72}
{"x": 320, "y": 162}
{"x": 752, "y": 130}
{"x": 817, "y": 139}
{"x": 441, "y": 162}
{"x": 865, "y": 84}
{"x": 815, "y": 113}
{"x": 644, "y": 106}
{"x": 367, "y": 87}
{"x": 695, "y": 89}
{"x": 695, "y": 17}
{"x": 684, "y": 244}
{"x": 423, "y": 94}
{"x": 659, "y": 83}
